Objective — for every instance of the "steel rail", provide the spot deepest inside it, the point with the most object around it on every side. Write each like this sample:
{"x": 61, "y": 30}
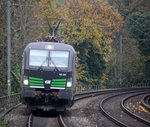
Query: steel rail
{"x": 83, "y": 95}
{"x": 59, "y": 118}
{"x": 78, "y": 96}
{"x": 107, "y": 90}
{"x": 130, "y": 113}
{"x": 5, "y": 104}
{"x": 96, "y": 93}
{"x": 4, "y": 113}
{"x": 113, "y": 119}
{"x": 61, "y": 121}
{"x": 144, "y": 102}
{"x": 29, "y": 122}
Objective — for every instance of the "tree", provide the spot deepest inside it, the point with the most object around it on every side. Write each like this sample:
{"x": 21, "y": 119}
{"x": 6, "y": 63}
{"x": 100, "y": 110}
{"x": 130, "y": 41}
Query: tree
{"x": 25, "y": 28}
{"x": 3, "y": 48}
{"x": 139, "y": 27}
{"x": 133, "y": 62}
{"x": 126, "y": 7}
{"x": 88, "y": 26}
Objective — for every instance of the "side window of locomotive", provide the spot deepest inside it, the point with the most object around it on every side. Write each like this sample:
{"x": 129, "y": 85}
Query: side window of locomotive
{"x": 38, "y": 58}
{"x": 59, "y": 59}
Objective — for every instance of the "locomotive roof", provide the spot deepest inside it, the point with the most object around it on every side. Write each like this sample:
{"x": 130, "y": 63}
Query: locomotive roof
{"x": 55, "y": 45}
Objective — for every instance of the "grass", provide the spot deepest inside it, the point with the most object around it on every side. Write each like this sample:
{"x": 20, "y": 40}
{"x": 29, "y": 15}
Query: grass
{"x": 4, "y": 122}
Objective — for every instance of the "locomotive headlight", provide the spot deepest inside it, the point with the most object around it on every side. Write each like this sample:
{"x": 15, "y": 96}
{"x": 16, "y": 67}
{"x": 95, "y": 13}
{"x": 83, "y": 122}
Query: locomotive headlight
{"x": 69, "y": 82}
{"x": 25, "y": 82}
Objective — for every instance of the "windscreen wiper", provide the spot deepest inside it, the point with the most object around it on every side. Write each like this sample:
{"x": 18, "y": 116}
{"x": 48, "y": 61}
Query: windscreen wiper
{"x": 40, "y": 67}
{"x": 55, "y": 67}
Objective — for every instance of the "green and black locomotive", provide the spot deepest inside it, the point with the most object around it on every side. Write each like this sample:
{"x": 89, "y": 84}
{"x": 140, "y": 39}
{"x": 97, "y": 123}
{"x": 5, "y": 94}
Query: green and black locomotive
{"x": 48, "y": 76}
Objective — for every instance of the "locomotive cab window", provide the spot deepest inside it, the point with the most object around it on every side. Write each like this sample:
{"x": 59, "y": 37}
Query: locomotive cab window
{"x": 48, "y": 58}
{"x": 38, "y": 58}
{"x": 59, "y": 59}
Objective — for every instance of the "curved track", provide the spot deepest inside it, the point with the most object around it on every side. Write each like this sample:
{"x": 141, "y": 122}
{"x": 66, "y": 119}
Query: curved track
{"x": 9, "y": 110}
{"x": 56, "y": 120}
{"x": 125, "y": 109}
{"x": 145, "y": 101}
{"x": 114, "y": 111}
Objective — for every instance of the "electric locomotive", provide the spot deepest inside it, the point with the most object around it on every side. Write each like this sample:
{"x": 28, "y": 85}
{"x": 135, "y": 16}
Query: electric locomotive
{"x": 48, "y": 76}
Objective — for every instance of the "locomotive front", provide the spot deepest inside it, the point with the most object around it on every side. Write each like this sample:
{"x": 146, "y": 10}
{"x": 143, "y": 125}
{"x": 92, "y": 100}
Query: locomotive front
{"x": 48, "y": 76}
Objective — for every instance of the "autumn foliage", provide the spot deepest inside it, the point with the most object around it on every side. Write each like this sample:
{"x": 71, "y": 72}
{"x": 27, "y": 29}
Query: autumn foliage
{"x": 88, "y": 26}
{"x": 93, "y": 27}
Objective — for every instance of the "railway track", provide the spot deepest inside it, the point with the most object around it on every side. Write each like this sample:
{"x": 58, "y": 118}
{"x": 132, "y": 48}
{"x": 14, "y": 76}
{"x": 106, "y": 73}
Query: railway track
{"x": 125, "y": 109}
{"x": 58, "y": 121}
{"x": 37, "y": 121}
{"x": 146, "y": 102}
{"x": 118, "y": 116}
{"x": 3, "y": 114}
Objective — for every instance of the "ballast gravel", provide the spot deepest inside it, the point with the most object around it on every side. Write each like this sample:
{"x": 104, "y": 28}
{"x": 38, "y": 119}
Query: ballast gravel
{"x": 85, "y": 113}
{"x": 17, "y": 117}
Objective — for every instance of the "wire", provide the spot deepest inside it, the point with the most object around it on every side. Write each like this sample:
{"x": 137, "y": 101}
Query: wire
{"x": 135, "y": 22}
{"x": 95, "y": 26}
{"x": 31, "y": 5}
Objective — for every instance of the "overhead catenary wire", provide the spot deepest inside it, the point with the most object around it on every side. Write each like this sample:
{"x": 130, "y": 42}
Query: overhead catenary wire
{"x": 34, "y": 5}
{"x": 135, "y": 22}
